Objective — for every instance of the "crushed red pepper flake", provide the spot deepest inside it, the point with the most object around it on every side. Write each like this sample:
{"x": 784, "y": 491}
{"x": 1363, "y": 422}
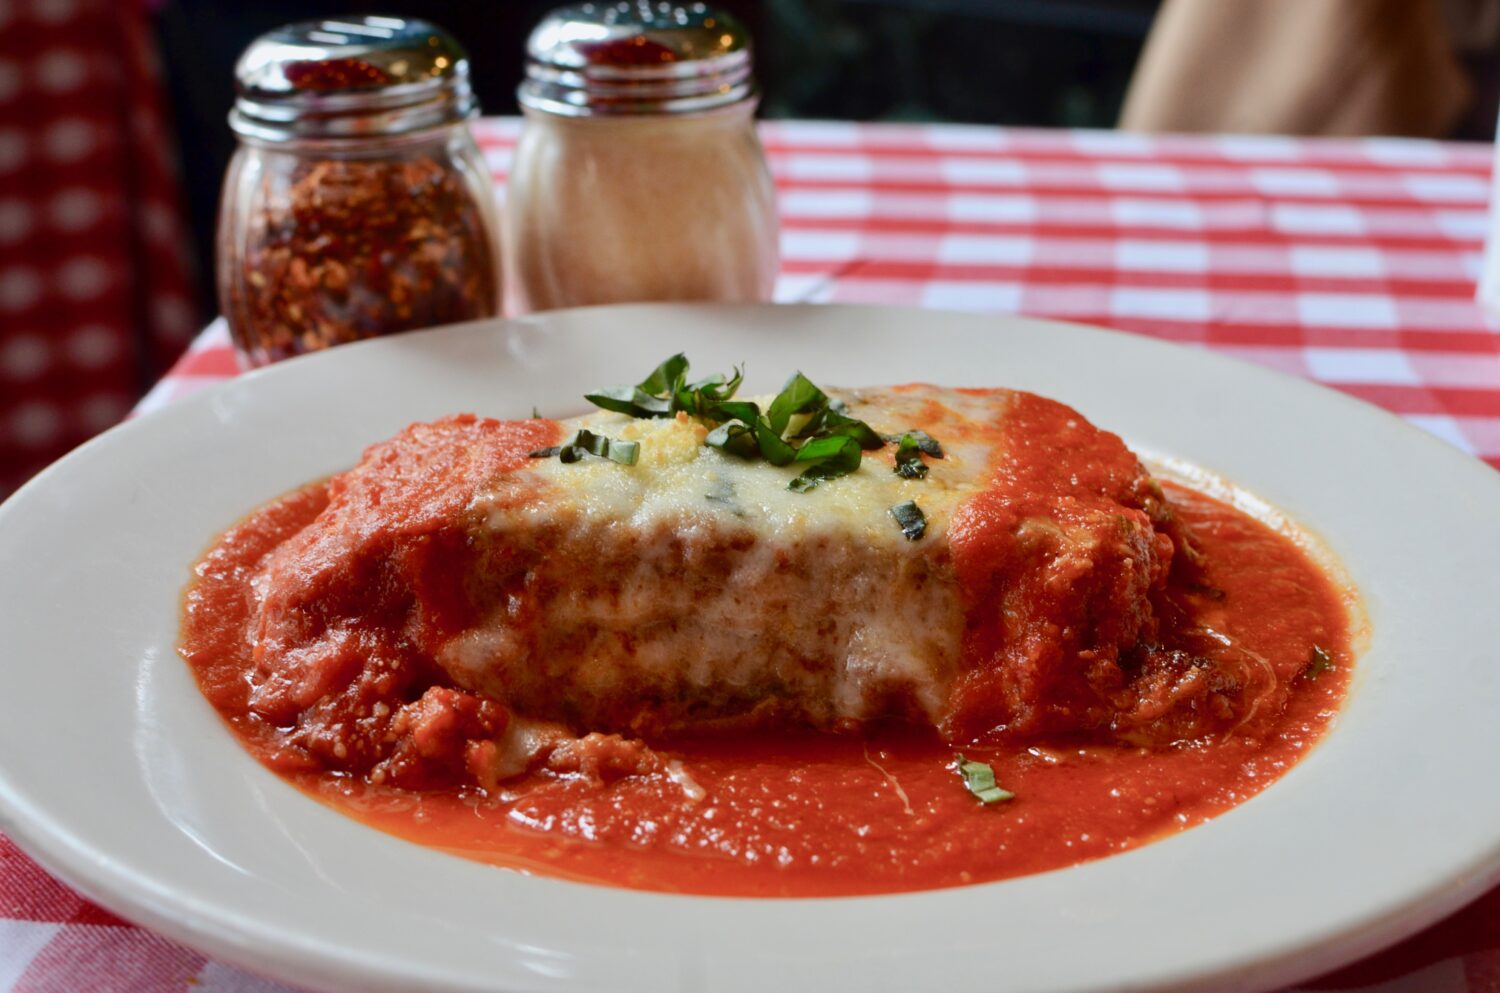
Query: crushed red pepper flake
{"x": 335, "y": 74}
{"x": 345, "y": 249}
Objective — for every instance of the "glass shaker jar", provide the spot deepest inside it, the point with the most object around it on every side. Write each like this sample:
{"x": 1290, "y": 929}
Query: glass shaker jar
{"x": 638, "y": 174}
{"x": 357, "y": 203}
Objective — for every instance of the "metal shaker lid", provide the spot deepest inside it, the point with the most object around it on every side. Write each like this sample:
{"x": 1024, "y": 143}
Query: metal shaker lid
{"x": 636, "y": 57}
{"x": 352, "y": 77}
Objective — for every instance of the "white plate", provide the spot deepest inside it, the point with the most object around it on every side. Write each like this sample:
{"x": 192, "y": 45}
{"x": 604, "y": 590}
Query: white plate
{"x": 118, "y": 776}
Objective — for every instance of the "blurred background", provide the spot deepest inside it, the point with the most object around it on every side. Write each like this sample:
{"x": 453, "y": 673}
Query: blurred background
{"x": 113, "y": 139}
{"x": 1038, "y": 62}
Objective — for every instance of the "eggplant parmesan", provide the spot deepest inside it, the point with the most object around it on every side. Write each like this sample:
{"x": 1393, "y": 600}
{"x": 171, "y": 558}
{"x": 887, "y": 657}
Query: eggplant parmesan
{"x": 477, "y": 602}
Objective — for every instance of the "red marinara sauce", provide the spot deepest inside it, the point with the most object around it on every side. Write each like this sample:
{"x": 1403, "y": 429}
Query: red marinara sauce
{"x": 808, "y": 814}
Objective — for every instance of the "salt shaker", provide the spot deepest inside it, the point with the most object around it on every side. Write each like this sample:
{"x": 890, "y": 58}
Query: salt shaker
{"x": 357, "y": 203}
{"x": 639, "y": 174}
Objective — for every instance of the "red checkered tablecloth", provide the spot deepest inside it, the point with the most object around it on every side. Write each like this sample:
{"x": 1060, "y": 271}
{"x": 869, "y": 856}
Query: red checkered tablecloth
{"x": 95, "y": 276}
{"x": 1351, "y": 263}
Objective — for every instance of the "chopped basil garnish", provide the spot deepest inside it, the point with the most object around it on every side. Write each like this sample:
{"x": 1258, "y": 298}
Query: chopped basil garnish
{"x": 835, "y": 456}
{"x": 706, "y": 395}
{"x": 666, "y": 377}
{"x": 839, "y": 423}
{"x": 798, "y": 396}
{"x": 773, "y": 448}
{"x": 979, "y": 779}
{"x": 913, "y": 522}
{"x": 829, "y": 438}
{"x": 586, "y": 442}
{"x": 910, "y": 447}
{"x": 630, "y": 400}
{"x": 1318, "y": 662}
{"x": 733, "y": 410}
{"x": 735, "y": 437}
{"x": 909, "y": 464}
{"x": 646, "y": 398}
{"x": 924, "y": 441}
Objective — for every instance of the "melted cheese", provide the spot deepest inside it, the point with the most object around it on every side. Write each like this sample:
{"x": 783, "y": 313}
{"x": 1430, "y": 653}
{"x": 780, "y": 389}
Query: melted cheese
{"x": 679, "y": 479}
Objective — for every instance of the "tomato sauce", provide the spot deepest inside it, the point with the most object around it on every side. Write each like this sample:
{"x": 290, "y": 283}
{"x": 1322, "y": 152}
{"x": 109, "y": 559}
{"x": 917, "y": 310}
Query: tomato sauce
{"x": 801, "y": 814}
{"x": 830, "y": 815}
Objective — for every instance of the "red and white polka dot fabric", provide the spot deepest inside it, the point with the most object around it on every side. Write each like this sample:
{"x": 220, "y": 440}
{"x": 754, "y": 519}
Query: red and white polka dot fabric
{"x": 94, "y": 286}
{"x": 1351, "y": 263}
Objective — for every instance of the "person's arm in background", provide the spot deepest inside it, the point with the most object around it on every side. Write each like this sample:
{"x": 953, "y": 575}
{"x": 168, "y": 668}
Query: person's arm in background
{"x": 1333, "y": 67}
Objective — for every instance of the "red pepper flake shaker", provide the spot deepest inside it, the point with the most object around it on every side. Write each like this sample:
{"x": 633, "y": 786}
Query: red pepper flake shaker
{"x": 357, "y": 203}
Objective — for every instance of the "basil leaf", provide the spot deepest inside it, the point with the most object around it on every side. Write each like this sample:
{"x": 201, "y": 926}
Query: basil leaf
{"x": 814, "y": 424}
{"x": 798, "y": 396}
{"x": 928, "y": 444}
{"x": 835, "y": 422}
{"x": 913, "y": 522}
{"x": 979, "y": 779}
{"x": 544, "y": 453}
{"x": 665, "y": 378}
{"x": 1318, "y": 662}
{"x": 772, "y": 448}
{"x": 646, "y": 398}
{"x": 925, "y": 442}
{"x": 909, "y": 464}
{"x": 586, "y": 442}
{"x": 715, "y": 388}
{"x": 620, "y": 399}
{"x": 835, "y": 456}
{"x": 831, "y": 447}
{"x": 630, "y": 400}
{"x": 719, "y": 436}
{"x": 701, "y": 399}
{"x": 735, "y": 437}
{"x": 732, "y": 410}
{"x": 687, "y": 401}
